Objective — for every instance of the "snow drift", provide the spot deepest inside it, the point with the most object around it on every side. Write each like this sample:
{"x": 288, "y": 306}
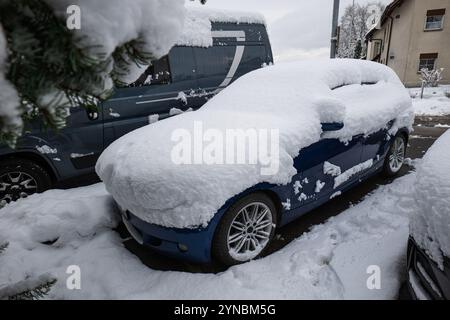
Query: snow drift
{"x": 329, "y": 262}
{"x": 430, "y": 226}
{"x": 293, "y": 98}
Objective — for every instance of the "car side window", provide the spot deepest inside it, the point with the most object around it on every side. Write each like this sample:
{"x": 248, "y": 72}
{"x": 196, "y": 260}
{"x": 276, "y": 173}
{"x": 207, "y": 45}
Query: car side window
{"x": 156, "y": 74}
{"x": 214, "y": 61}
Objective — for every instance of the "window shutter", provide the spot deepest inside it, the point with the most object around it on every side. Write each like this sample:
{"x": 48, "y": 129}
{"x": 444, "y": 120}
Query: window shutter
{"x": 437, "y": 12}
{"x": 429, "y": 56}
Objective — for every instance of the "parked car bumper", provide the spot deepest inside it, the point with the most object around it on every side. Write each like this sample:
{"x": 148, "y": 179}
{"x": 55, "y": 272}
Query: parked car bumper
{"x": 192, "y": 245}
{"x": 426, "y": 281}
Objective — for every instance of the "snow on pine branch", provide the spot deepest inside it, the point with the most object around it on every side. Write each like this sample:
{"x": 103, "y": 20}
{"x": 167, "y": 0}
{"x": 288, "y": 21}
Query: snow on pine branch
{"x": 33, "y": 288}
{"x": 61, "y": 68}
{"x": 108, "y": 24}
{"x": 10, "y": 120}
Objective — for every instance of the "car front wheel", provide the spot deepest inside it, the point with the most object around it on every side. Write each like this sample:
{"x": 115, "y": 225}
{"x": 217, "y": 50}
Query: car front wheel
{"x": 396, "y": 156}
{"x": 246, "y": 230}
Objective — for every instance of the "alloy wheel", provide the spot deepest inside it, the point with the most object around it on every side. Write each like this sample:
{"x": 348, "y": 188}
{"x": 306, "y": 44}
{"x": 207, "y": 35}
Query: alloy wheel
{"x": 397, "y": 156}
{"x": 250, "y": 231}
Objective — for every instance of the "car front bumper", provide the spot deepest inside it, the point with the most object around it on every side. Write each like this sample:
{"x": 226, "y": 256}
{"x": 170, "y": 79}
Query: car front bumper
{"x": 426, "y": 281}
{"x": 192, "y": 245}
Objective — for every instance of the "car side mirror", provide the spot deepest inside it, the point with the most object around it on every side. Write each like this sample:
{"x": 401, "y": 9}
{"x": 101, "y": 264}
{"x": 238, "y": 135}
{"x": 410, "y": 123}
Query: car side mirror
{"x": 334, "y": 126}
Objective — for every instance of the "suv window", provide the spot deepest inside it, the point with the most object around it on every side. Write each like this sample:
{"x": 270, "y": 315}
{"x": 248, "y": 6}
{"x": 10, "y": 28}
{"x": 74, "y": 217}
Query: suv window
{"x": 157, "y": 73}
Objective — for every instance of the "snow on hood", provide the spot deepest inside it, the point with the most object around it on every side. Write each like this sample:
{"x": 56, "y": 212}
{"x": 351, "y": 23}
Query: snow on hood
{"x": 197, "y": 24}
{"x": 293, "y": 98}
{"x": 430, "y": 226}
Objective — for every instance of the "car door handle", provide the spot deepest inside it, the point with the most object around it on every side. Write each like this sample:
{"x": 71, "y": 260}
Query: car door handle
{"x": 113, "y": 114}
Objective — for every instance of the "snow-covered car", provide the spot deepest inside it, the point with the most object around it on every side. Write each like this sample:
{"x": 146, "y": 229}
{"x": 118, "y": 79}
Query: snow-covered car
{"x": 429, "y": 244}
{"x": 334, "y": 124}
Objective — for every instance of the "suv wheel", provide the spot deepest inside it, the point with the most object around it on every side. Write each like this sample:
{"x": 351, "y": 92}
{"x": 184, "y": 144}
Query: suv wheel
{"x": 20, "y": 178}
{"x": 246, "y": 230}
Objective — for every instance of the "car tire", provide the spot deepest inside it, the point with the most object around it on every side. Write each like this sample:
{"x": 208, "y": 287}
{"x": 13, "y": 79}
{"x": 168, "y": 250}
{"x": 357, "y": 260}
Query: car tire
{"x": 395, "y": 158}
{"x": 256, "y": 233}
{"x": 20, "y": 178}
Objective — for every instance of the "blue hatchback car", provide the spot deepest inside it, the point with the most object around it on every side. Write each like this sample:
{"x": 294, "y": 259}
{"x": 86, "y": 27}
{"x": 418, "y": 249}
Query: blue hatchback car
{"x": 252, "y": 213}
{"x": 243, "y": 227}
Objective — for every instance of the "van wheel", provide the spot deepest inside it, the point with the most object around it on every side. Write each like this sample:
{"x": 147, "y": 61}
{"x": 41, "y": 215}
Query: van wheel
{"x": 246, "y": 230}
{"x": 20, "y": 178}
{"x": 395, "y": 157}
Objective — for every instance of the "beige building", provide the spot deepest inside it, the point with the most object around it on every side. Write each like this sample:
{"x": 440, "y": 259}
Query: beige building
{"x": 411, "y": 35}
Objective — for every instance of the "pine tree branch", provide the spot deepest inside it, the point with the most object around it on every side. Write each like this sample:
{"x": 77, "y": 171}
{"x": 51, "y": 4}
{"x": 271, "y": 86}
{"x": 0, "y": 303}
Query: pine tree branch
{"x": 29, "y": 289}
{"x": 3, "y": 247}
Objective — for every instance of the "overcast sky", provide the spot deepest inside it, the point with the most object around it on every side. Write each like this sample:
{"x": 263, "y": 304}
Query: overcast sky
{"x": 298, "y": 29}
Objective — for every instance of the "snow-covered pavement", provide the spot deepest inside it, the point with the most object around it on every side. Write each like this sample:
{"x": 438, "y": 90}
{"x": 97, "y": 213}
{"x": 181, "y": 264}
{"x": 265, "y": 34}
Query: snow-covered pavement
{"x": 434, "y": 103}
{"x": 329, "y": 262}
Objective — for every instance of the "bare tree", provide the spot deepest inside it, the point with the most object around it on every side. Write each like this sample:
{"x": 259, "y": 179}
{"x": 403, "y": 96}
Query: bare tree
{"x": 430, "y": 78}
{"x": 354, "y": 27}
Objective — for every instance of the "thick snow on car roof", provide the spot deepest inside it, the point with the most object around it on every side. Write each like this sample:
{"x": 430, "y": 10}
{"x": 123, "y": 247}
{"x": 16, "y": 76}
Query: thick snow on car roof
{"x": 294, "y": 98}
{"x": 197, "y": 24}
{"x": 430, "y": 226}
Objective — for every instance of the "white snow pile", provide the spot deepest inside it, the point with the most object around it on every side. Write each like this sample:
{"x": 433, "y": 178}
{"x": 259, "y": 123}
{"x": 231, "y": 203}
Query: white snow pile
{"x": 430, "y": 226}
{"x": 139, "y": 171}
{"x": 329, "y": 262}
{"x": 435, "y": 102}
{"x": 108, "y": 24}
{"x": 197, "y": 25}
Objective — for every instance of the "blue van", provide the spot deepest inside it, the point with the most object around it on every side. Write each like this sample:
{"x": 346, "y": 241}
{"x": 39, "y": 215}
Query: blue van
{"x": 181, "y": 81}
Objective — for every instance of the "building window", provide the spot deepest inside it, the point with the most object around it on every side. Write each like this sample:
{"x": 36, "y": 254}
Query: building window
{"x": 376, "y": 50}
{"x": 428, "y": 61}
{"x": 435, "y": 19}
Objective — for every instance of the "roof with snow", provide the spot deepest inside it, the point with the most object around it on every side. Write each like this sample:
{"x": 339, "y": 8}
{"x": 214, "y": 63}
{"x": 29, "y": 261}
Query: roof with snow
{"x": 198, "y": 24}
{"x": 228, "y": 16}
{"x": 386, "y": 14}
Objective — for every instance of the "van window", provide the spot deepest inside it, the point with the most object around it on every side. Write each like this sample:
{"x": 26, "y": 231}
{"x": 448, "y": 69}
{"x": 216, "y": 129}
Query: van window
{"x": 254, "y": 57}
{"x": 182, "y": 64}
{"x": 214, "y": 61}
{"x": 157, "y": 73}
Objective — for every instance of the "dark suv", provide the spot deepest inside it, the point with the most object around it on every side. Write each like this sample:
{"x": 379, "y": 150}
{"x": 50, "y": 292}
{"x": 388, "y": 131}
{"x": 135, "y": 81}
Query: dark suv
{"x": 181, "y": 81}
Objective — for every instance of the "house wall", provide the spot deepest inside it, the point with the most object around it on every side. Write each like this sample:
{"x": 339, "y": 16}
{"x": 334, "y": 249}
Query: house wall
{"x": 428, "y": 41}
{"x": 408, "y": 40}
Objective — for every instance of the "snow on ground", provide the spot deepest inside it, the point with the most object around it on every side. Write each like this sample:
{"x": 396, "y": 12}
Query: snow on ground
{"x": 434, "y": 103}
{"x": 328, "y": 262}
{"x": 140, "y": 172}
{"x": 431, "y": 222}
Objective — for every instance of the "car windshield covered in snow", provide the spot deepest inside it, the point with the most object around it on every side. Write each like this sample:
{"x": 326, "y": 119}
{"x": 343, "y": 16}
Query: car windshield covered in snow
{"x": 141, "y": 174}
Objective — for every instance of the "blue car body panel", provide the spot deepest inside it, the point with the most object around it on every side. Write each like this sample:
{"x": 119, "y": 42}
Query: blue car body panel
{"x": 309, "y": 164}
